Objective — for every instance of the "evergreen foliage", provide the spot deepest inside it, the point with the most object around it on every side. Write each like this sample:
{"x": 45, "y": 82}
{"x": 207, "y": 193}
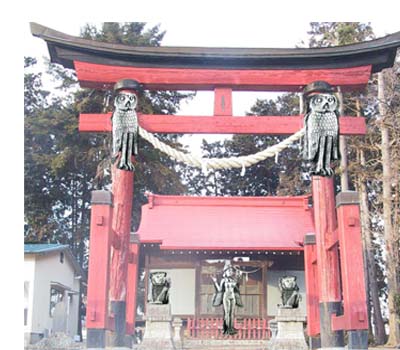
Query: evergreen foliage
{"x": 284, "y": 175}
{"x": 63, "y": 166}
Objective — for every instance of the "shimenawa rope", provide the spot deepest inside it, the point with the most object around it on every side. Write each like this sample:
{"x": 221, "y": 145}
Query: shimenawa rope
{"x": 221, "y": 163}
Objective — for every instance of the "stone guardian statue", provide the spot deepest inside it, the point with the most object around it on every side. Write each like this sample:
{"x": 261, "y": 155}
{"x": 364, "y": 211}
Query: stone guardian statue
{"x": 289, "y": 292}
{"x": 159, "y": 288}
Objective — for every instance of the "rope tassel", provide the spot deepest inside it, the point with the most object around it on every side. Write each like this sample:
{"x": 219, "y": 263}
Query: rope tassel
{"x": 243, "y": 170}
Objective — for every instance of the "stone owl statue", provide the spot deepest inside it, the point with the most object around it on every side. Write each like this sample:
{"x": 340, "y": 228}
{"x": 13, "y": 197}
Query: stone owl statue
{"x": 321, "y": 138}
{"x": 125, "y": 124}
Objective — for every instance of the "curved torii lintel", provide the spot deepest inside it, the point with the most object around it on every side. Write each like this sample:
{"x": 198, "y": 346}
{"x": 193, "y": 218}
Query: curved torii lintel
{"x": 205, "y": 68}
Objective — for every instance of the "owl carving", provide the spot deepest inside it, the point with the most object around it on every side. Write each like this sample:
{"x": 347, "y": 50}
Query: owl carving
{"x": 125, "y": 129}
{"x": 321, "y": 138}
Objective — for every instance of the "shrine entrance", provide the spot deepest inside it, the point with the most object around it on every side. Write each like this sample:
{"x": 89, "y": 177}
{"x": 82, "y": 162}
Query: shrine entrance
{"x": 190, "y": 236}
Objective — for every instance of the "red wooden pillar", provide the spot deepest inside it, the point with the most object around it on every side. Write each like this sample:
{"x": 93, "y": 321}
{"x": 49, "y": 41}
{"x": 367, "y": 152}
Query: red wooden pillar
{"x": 122, "y": 189}
{"x": 132, "y": 283}
{"x": 355, "y": 316}
{"x": 328, "y": 260}
{"x": 98, "y": 281}
{"x": 312, "y": 290}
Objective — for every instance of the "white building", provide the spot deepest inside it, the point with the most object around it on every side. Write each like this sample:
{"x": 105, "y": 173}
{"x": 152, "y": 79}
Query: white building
{"x": 52, "y": 279}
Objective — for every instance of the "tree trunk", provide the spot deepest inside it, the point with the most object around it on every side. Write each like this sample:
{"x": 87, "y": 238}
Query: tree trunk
{"x": 378, "y": 324}
{"x": 375, "y": 317}
{"x": 389, "y": 234}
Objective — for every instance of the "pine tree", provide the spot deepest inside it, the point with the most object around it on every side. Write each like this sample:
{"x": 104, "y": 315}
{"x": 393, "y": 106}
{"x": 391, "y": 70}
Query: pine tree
{"x": 62, "y": 166}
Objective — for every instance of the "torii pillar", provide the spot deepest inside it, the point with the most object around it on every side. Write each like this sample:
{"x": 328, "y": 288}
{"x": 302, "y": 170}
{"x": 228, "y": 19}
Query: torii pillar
{"x": 328, "y": 270}
{"x": 121, "y": 252}
{"x": 113, "y": 261}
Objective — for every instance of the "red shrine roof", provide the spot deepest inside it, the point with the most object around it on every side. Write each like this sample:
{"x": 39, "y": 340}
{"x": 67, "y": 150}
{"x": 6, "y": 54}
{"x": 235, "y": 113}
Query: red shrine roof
{"x": 246, "y": 223}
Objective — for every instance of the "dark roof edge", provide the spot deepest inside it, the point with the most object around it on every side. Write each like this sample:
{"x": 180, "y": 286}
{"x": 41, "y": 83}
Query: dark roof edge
{"x": 65, "y": 48}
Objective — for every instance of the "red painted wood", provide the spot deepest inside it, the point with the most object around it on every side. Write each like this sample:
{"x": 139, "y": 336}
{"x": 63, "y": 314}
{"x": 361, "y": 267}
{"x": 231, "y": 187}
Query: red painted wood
{"x": 223, "y": 102}
{"x": 132, "y": 283}
{"x": 295, "y": 202}
{"x": 312, "y": 292}
{"x": 122, "y": 189}
{"x": 352, "y": 271}
{"x": 102, "y": 76}
{"x": 184, "y": 222}
{"x": 325, "y": 227}
{"x": 247, "y": 328}
{"x": 99, "y": 255}
{"x": 273, "y": 125}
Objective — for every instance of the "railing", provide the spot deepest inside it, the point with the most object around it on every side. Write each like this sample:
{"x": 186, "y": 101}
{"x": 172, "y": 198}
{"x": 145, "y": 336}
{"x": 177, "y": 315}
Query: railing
{"x": 211, "y": 328}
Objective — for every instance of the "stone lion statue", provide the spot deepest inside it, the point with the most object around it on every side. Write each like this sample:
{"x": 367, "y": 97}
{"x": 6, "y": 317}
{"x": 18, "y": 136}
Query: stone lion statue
{"x": 289, "y": 292}
{"x": 159, "y": 288}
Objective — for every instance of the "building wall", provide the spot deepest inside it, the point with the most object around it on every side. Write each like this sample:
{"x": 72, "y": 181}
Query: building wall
{"x": 183, "y": 289}
{"x": 273, "y": 293}
{"x": 48, "y": 268}
{"x": 29, "y": 275}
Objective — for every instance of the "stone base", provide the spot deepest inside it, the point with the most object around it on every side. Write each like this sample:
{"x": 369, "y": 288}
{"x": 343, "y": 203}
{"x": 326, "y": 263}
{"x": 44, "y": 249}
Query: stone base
{"x": 224, "y": 344}
{"x": 158, "y": 332}
{"x": 290, "y": 335}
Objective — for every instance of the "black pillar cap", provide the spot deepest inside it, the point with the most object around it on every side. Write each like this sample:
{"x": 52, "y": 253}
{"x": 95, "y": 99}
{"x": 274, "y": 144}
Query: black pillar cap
{"x": 134, "y": 238}
{"x": 347, "y": 198}
{"x": 318, "y": 86}
{"x": 128, "y": 84}
{"x": 309, "y": 239}
{"x": 102, "y": 197}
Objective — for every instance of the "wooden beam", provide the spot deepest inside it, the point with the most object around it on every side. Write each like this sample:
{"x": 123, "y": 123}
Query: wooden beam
{"x": 132, "y": 286}
{"x": 355, "y": 315}
{"x": 102, "y": 76}
{"x": 99, "y": 255}
{"x": 311, "y": 278}
{"x": 223, "y": 102}
{"x": 173, "y": 124}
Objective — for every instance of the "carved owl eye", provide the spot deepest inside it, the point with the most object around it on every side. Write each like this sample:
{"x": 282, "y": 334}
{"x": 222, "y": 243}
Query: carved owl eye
{"x": 121, "y": 98}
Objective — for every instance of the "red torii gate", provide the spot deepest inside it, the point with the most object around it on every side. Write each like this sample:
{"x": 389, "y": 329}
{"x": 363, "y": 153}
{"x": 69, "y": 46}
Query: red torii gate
{"x": 101, "y": 65}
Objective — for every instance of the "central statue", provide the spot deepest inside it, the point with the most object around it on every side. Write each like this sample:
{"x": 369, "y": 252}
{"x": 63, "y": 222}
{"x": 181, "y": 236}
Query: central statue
{"x": 227, "y": 294}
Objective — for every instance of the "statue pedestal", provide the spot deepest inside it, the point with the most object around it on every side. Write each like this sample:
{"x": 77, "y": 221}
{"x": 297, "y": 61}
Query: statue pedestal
{"x": 158, "y": 332}
{"x": 290, "y": 335}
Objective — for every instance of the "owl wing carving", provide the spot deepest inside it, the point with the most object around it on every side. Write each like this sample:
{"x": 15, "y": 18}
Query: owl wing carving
{"x": 321, "y": 138}
{"x": 125, "y": 129}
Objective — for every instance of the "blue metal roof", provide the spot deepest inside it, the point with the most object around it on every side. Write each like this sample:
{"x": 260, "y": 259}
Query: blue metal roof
{"x": 43, "y": 248}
